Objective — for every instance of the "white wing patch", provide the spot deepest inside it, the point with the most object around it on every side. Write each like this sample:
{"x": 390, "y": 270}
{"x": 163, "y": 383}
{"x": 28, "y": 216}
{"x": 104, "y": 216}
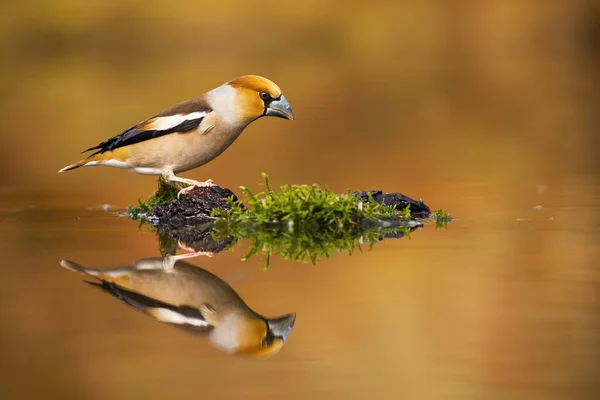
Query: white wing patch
{"x": 164, "y": 123}
{"x": 173, "y": 317}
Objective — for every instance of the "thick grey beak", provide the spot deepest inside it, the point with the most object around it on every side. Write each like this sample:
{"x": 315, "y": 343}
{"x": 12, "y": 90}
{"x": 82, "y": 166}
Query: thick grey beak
{"x": 282, "y": 326}
{"x": 280, "y": 108}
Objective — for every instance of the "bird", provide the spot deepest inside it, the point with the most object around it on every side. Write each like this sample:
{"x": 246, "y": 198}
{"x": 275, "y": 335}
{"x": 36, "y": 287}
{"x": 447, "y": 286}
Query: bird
{"x": 189, "y": 297}
{"x": 192, "y": 133}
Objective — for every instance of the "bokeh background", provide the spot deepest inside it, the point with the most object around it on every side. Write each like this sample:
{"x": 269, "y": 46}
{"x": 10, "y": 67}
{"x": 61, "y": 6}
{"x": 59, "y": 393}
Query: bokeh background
{"x": 484, "y": 108}
{"x": 387, "y": 94}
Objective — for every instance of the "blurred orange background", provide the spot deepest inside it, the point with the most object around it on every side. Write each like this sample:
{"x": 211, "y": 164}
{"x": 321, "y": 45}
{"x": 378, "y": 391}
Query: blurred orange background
{"x": 418, "y": 97}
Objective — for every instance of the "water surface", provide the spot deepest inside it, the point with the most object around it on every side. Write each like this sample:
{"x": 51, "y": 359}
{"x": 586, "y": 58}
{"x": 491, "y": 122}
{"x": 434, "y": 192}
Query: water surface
{"x": 502, "y": 304}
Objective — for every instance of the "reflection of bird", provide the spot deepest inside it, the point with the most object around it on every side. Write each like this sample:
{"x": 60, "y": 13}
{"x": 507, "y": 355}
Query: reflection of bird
{"x": 191, "y": 133}
{"x": 192, "y": 298}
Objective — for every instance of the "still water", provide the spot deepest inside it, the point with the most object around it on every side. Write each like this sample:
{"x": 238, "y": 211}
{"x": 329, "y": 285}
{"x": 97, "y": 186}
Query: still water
{"x": 502, "y": 304}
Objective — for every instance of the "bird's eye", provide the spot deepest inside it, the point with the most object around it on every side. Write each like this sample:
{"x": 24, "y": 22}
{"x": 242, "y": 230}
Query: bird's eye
{"x": 264, "y": 343}
{"x": 264, "y": 95}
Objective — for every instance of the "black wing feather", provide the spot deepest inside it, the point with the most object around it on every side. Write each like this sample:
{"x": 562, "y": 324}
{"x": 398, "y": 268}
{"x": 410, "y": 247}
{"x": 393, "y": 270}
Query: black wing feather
{"x": 141, "y": 302}
{"x": 134, "y": 135}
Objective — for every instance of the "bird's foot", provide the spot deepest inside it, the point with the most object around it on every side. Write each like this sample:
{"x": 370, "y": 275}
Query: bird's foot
{"x": 191, "y": 252}
{"x": 194, "y": 254}
{"x": 186, "y": 190}
{"x": 169, "y": 260}
{"x": 195, "y": 185}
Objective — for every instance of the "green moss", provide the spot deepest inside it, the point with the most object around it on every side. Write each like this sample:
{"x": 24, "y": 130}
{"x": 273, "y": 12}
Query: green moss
{"x": 304, "y": 207}
{"x": 163, "y": 195}
{"x": 441, "y": 218}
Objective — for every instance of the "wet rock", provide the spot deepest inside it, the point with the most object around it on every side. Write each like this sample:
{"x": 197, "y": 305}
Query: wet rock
{"x": 193, "y": 208}
{"x": 418, "y": 209}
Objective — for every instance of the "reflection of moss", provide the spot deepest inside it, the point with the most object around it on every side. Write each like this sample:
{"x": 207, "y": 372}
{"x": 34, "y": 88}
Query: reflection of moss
{"x": 441, "y": 218}
{"x": 304, "y": 245}
{"x": 305, "y": 223}
{"x": 163, "y": 195}
{"x": 167, "y": 244}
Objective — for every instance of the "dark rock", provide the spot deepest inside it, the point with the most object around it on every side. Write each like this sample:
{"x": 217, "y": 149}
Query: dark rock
{"x": 418, "y": 209}
{"x": 192, "y": 208}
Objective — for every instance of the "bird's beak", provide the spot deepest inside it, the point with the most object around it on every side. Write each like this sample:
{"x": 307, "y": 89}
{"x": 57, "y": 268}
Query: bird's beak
{"x": 282, "y": 326}
{"x": 280, "y": 108}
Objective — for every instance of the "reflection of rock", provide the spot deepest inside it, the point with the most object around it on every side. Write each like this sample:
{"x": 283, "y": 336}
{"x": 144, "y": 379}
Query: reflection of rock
{"x": 400, "y": 234}
{"x": 418, "y": 209}
{"x": 191, "y": 209}
{"x": 197, "y": 237}
{"x": 401, "y": 231}
{"x": 193, "y": 299}
{"x": 186, "y": 223}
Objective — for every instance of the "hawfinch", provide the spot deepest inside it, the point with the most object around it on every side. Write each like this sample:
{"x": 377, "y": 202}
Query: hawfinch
{"x": 192, "y": 298}
{"x": 192, "y": 133}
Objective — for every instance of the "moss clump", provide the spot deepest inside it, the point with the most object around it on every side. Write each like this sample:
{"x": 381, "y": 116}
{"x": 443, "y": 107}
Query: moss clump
{"x": 163, "y": 195}
{"x": 304, "y": 207}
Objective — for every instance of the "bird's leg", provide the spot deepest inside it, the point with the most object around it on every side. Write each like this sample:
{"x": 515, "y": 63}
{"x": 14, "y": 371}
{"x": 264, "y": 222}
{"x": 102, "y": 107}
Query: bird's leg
{"x": 169, "y": 176}
{"x": 169, "y": 260}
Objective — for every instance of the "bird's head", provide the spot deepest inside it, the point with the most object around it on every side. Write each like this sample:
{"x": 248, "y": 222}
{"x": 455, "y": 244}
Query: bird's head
{"x": 253, "y": 335}
{"x": 250, "y": 97}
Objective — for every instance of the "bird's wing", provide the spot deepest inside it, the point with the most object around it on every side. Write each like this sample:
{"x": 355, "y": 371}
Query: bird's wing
{"x": 181, "y": 118}
{"x": 182, "y": 316}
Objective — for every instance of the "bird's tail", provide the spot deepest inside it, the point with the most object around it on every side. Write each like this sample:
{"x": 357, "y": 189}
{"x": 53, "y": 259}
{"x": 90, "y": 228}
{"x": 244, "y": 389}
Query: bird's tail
{"x": 114, "y": 158}
{"x": 70, "y": 265}
{"x": 120, "y": 276}
{"x": 76, "y": 165}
